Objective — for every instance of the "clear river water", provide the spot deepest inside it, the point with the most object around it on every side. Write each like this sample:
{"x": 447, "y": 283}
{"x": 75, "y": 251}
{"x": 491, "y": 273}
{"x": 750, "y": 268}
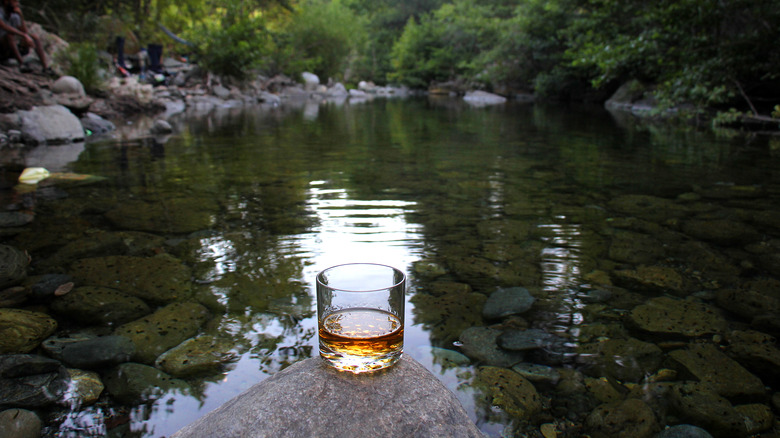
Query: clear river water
{"x": 645, "y": 247}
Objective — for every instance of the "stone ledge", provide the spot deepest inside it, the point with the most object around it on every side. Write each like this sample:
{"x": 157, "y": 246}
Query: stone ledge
{"x": 313, "y": 400}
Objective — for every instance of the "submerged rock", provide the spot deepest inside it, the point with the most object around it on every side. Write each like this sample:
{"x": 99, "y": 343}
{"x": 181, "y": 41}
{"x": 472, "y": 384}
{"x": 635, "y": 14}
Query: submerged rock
{"x": 163, "y": 329}
{"x": 647, "y": 207}
{"x": 664, "y": 315}
{"x": 160, "y": 279}
{"x": 404, "y": 400}
{"x": 509, "y": 391}
{"x": 18, "y": 365}
{"x": 19, "y": 423}
{"x": 622, "y": 359}
{"x": 13, "y": 266}
{"x": 22, "y": 330}
{"x": 133, "y": 383}
{"x": 635, "y": 248}
{"x": 100, "y": 305}
{"x": 34, "y": 391}
{"x": 481, "y": 344}
{"x": 46, "y": 286}
{"x": 758, "y": 417}
{"x": 84, "y": 388}
{"x": 684, "y": 431}
{"x": 748, "y": 303}
{"x": 448, "y": 315}
{"x": 724, "y": 375}
{"x": 106, "y": 243}
{"x": 196, "y": 356}
{"x": 624, "y": 419}
{"x": 721, "y": 231}
{"x": 701, "y": 405}
{"x": 509, "y": 301}
{"x": 537, "y": 373}
{"x": 657, "y": 279}
{"x": 98, "y": 353}
{"x": 530, "y": 339}
{"x": 173, "y": 215}
{"x": 756, "y": 351}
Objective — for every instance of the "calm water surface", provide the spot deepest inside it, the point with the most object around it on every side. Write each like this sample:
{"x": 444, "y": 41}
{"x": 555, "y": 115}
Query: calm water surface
{"x": 465, "y": 200}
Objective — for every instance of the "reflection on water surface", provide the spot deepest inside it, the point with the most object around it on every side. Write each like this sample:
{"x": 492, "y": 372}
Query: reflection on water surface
{"x": 627, "y": 253}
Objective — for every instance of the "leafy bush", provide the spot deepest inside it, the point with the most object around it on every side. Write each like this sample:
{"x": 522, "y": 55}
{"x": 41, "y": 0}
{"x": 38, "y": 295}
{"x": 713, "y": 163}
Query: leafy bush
{"x": 320, "y": 37}
{"x": 233, "y": 44}
{"x": 82, "y": 62}
{"x": 445, "y": 45}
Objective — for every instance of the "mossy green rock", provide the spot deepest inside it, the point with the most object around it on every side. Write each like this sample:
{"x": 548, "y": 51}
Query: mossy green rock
{"x": 100, "y": 305}
{"x": 509, "y": 391}
{"x": 173, "y": 215}
{"x": 196, "y": 356}
{"x": 22, "y": 330}
{"x": 163, "y": 329}
{"x": 160, "y": 279}
{"x": 664, "y": 315}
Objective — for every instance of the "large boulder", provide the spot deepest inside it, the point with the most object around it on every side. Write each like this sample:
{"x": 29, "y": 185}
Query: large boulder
{"x": 50, "y": 124}
{"x": 312, "y": 399}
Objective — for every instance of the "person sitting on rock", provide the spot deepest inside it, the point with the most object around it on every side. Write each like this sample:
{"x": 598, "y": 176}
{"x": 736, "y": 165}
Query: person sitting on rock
{"x": 13, "y": 27}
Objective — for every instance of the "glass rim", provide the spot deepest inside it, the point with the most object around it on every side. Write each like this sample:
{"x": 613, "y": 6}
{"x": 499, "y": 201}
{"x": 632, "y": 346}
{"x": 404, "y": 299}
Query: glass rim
{"x": 396, "y": 270}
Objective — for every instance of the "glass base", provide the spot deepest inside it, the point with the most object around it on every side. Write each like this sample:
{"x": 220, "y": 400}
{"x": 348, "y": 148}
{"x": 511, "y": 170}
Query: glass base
{"x": 360, "y": 364}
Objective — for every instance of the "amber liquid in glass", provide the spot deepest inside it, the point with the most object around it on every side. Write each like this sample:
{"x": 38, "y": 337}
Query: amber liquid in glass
{"x": 361, "y": 340}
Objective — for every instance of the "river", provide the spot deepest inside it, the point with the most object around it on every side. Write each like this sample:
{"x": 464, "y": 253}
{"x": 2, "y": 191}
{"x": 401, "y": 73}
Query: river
{"x": 598, "y": 217}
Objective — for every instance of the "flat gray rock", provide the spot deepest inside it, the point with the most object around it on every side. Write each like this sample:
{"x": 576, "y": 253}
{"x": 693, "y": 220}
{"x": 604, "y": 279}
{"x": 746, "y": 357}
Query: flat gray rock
{"x": 313, "y": 400}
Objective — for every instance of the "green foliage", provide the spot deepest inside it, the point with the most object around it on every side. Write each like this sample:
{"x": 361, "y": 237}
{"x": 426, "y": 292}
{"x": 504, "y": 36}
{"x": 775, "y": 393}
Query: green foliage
{"x": 445, "y": 44}
{"x": 319, "y": 37}
{"x": 696, "y": 50}
{"x": 83, "y": 63}
{"x": 233, "y": 44}
{"x": 729, "y": 117}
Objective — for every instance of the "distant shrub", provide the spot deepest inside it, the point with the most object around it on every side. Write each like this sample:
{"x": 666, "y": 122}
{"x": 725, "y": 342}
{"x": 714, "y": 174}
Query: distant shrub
{"x": 83, "y": 63}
